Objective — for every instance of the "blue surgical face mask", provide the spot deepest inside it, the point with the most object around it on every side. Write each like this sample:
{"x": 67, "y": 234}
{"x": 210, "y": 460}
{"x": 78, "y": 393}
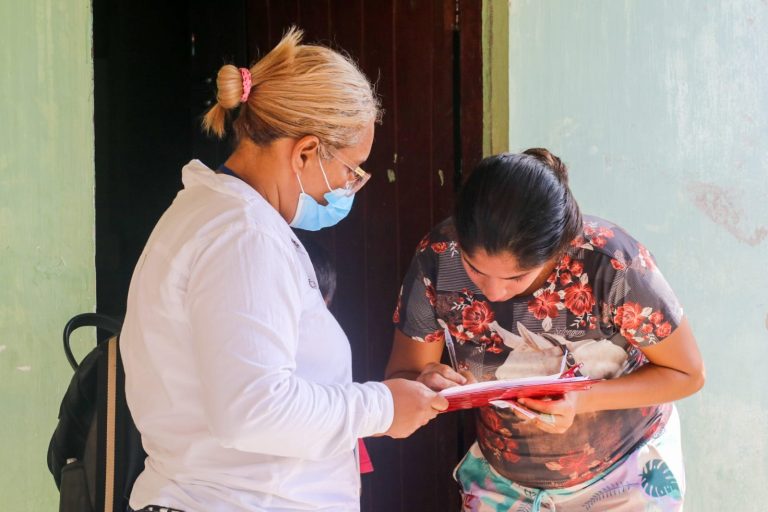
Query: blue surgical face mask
{"x": 313, "y": 216}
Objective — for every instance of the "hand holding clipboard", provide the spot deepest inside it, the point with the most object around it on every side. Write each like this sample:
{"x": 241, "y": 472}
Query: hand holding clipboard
{"x": 481, "y": 394}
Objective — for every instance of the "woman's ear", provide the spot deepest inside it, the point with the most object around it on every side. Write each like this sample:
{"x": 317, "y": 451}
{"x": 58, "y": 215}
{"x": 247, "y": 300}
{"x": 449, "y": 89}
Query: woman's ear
{"x": 303, "y": 151}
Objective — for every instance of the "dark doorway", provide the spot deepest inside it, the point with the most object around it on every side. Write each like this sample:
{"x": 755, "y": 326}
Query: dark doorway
{"x": 155, "y": 65}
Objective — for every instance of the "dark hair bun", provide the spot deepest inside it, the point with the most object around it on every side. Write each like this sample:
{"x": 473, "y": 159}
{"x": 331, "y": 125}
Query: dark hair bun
{"x": 518, "y": 204}
{"x": 553, "y": 162}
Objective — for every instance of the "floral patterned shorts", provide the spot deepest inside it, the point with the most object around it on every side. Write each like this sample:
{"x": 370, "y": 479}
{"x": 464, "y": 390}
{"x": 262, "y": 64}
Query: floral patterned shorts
{"x": 651, "y": 478}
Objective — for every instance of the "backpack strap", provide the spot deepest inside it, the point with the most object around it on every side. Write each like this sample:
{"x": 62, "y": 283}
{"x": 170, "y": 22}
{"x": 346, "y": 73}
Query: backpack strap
{"x": 110, "y": 424}
{"x": 104, "y": 322}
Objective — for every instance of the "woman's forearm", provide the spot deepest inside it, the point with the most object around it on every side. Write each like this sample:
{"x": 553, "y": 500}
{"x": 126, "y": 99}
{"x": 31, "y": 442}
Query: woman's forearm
{"x": 674, "y": 370}
{"x": 650, "y": 385}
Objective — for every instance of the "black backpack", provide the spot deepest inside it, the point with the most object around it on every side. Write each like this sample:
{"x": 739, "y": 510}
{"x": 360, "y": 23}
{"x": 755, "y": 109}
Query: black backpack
{"x": 95, "y": 453}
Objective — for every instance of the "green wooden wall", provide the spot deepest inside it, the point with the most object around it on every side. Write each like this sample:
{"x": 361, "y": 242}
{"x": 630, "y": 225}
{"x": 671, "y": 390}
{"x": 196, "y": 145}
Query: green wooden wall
{"x": 661, "y": 110}
{"x": 46, "y": 228}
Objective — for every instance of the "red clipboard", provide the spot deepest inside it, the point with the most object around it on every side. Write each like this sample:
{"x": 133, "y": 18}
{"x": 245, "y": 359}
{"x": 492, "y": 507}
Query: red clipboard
{"x": 481, "y": 393}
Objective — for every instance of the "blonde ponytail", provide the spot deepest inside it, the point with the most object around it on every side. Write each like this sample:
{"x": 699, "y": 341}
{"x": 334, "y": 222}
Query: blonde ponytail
{"x": 229, "y": 84}
{"x": 296, "y": 90}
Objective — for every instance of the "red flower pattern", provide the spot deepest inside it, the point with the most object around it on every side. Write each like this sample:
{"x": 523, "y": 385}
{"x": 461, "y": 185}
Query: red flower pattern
{"x": 597, "y": 235}
{"x": 437, "y": 336}
{"x": 490, "y": 420}
{"x": 458, "y": 332}
{"x": 578, "y": 241}
{"x": 476, "y": 317}
{"x": 396, "y": 314}
{"x": 572, "y": 465}
{"x": 511, "y": 457}
{"x": 431, "y": 295}
{"x": 577, "y": 268}
{"x": 605, "y": 232}
{"x": 579, "y": 298}
{"x": 423, "y": 244}
{"x": 663, "y": 330}
{"x": 493, "y": 343}
{"x": 645, "y": 257}
{"x": 629, "y": 316}
{"x": 544, "y": 306}
{"x": 641, "y": 325}
{"x": 440, "y": 247}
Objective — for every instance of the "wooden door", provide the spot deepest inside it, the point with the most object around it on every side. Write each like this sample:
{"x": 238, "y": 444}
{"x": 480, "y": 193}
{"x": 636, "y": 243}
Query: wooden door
{"x": 154, "y": 68}
{"x": 424, "y": 57}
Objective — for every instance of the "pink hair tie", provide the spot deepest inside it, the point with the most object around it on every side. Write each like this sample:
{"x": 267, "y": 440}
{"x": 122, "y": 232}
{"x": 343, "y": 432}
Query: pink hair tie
{"x": 246, "y": 74}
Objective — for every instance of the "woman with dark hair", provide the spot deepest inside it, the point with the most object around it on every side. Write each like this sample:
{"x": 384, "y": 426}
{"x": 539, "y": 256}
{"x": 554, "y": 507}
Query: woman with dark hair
{"x": 524, "y": 283}
{"x": 325, "y": 270}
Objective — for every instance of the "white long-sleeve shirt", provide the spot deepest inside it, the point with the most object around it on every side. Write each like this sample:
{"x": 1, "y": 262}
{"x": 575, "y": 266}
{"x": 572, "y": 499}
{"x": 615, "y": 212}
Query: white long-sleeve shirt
{"x": 237, "y": 376}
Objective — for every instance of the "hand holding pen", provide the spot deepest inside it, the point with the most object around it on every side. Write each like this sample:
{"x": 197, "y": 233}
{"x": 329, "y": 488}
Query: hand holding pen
{"x": 438, "y": 376}
{"x": 451, "y": 348}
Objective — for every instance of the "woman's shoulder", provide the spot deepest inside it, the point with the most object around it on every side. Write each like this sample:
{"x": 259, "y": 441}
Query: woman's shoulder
{"x": 608, "y": 242}
{"x": 441, "y": 238}
{"x": 444, "y": 231}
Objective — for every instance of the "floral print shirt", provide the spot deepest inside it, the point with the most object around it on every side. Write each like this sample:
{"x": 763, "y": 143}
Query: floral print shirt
{"x": 605, "y": 299}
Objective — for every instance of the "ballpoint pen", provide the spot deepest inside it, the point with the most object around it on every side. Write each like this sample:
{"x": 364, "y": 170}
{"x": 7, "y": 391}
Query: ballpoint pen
{"x": 451, "y": 349}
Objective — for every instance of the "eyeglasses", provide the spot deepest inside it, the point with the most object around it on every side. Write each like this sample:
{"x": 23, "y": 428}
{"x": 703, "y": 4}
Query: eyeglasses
{"x": 358, "y": 176}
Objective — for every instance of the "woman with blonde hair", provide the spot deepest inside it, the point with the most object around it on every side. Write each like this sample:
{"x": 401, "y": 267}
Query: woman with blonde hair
{"x": 237, "y": 376}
